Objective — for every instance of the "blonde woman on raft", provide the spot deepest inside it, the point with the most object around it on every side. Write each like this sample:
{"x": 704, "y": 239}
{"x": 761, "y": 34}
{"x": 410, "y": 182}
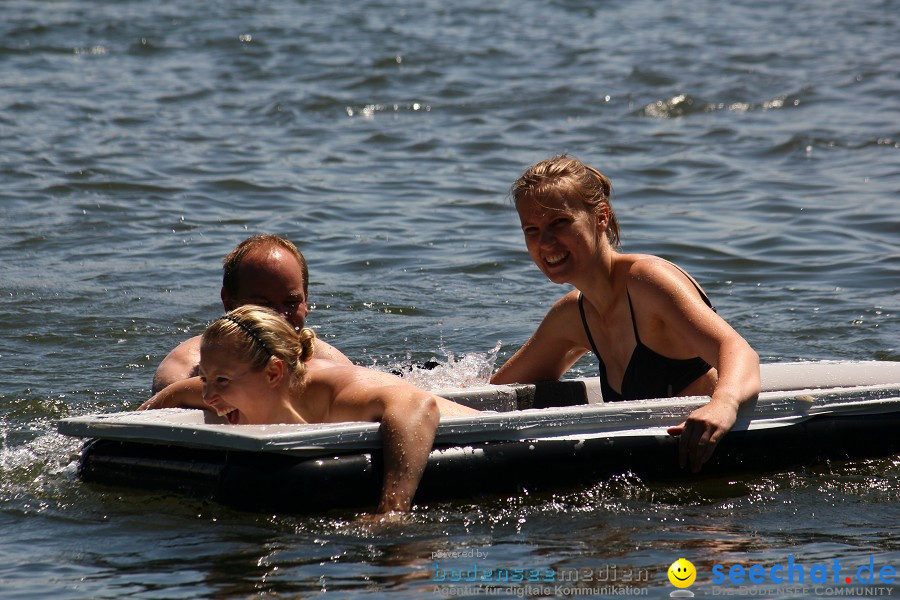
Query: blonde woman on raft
{"x": 255, "y": 368}
{"x": 651, "y": 326}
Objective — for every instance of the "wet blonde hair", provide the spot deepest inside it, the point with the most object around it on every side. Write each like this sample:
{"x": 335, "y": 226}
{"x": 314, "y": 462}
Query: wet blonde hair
{"x": 260, "y": 333}
{"x": 570, "y": 177}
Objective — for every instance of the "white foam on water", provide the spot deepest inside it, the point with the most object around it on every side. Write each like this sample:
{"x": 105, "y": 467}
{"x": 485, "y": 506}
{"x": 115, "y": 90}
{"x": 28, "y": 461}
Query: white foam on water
{"x": 471, "y": 369}
{"x": 38, "y": 467}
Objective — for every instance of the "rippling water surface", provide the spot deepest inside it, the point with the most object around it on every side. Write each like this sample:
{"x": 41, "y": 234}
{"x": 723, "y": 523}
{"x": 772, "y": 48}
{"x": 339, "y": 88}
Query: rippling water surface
{"x": 756, "y": 144}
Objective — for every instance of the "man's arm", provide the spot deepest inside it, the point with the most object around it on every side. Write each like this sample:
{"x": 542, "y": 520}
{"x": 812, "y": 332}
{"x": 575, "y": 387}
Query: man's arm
{"x": 187, "y": 393}
{"x": 181, "y": 363}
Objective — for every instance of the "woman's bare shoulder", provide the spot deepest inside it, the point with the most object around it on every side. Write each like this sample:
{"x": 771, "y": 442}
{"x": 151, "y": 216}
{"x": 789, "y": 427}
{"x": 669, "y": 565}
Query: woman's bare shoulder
{"x": 640, "y": 266}
{"x": 564, "y": 306}
{"x": 647, "y": 272}
{"x": 331, "y": 372}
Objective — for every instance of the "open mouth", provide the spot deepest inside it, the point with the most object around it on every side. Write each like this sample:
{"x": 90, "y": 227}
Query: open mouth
{"x": 229, "y": 412}
{"x": 233, "y": 416}
{"x": 556, "y": 258}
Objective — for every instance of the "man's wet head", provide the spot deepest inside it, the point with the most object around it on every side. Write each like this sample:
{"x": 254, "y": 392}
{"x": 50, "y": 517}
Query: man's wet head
{"x": 267, "y": 270}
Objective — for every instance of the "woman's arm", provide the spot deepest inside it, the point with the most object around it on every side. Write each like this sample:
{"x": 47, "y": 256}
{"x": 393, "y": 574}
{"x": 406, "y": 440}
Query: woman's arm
{"x": 551, "y": 350}
{"x": 187, "y": 393}
{"x": 408, "y": 415}
{"x": 688, "y": 325}
{"x": 738, "y": 382}
{"x": 408, "y": 426}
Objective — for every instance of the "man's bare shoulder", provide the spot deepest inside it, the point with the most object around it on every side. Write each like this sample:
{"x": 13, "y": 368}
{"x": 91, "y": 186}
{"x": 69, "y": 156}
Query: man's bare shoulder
{"x": 181, "y": 363}
{"x": 326, "y": 351}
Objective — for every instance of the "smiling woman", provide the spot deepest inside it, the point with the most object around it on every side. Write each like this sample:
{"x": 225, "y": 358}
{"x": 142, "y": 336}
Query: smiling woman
{"x": 257, "y": 369}
{"x": 266, "y": 270}
{"x": 245, "y": 357}
{"x": 651, "y": 326}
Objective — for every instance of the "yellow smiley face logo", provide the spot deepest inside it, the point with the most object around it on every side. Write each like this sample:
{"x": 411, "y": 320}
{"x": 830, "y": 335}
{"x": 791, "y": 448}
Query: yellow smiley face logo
{"x": 682, "y": 573}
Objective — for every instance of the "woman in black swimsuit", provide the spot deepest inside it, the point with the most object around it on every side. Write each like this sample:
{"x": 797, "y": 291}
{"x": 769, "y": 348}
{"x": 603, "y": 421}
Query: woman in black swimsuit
{"x": 652, "y": 328}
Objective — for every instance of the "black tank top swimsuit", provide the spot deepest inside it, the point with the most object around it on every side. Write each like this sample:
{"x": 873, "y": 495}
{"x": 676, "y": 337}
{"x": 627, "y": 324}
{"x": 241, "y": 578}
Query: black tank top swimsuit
{"x": 649, "y": 374}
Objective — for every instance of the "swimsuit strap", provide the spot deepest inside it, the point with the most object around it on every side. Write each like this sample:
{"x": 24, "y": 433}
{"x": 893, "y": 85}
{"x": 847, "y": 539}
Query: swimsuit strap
{"x": 694, "y": 283}
{"x": 703, "y": 295}
{"x": 637, "y": 338}
{"x": 586, "y": 328}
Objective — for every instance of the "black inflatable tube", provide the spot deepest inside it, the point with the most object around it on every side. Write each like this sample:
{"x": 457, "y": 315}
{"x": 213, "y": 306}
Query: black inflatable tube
{"x": 267, "y": 481}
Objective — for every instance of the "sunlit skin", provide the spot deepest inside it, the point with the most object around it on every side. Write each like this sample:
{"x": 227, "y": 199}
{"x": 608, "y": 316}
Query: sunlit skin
{"x": 561, "y": 238}
{"x": 271, "y": 277}
{"x": 331, "y": 392}
{"x": 268, "y": 276}
{"x": 258, "y": 397}
{"x": 568, "y": 243}
{"x": 243, "y": 395}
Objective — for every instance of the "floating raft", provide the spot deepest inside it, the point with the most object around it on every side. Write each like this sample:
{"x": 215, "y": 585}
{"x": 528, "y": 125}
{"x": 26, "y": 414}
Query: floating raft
{"x": 533, "y": 437}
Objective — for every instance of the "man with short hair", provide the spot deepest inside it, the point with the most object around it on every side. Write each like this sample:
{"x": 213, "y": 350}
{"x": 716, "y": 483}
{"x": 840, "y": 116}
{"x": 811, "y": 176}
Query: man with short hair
{"x": 267, "y": 270}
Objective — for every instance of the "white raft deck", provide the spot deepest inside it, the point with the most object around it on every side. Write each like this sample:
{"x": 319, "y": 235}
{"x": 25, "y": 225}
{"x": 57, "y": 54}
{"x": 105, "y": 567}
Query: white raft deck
{"x": 807, "y": 412}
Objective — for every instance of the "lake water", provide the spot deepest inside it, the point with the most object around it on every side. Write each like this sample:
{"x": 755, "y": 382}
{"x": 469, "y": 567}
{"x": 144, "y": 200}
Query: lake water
{"x": 755, "y": 144}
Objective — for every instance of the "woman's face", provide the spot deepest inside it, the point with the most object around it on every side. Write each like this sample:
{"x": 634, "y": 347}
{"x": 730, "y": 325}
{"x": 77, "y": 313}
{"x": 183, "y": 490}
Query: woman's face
{"x": 562, "y": 237}
{"x": 230, "y": 386}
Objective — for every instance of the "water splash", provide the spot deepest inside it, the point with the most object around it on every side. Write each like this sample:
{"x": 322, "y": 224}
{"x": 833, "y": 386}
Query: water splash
{"x": 39, "y": 469}
{"x": 472, "y": 369}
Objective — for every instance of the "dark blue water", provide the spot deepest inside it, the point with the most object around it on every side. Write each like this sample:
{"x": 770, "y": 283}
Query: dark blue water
{"x": 755, "y": 144}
